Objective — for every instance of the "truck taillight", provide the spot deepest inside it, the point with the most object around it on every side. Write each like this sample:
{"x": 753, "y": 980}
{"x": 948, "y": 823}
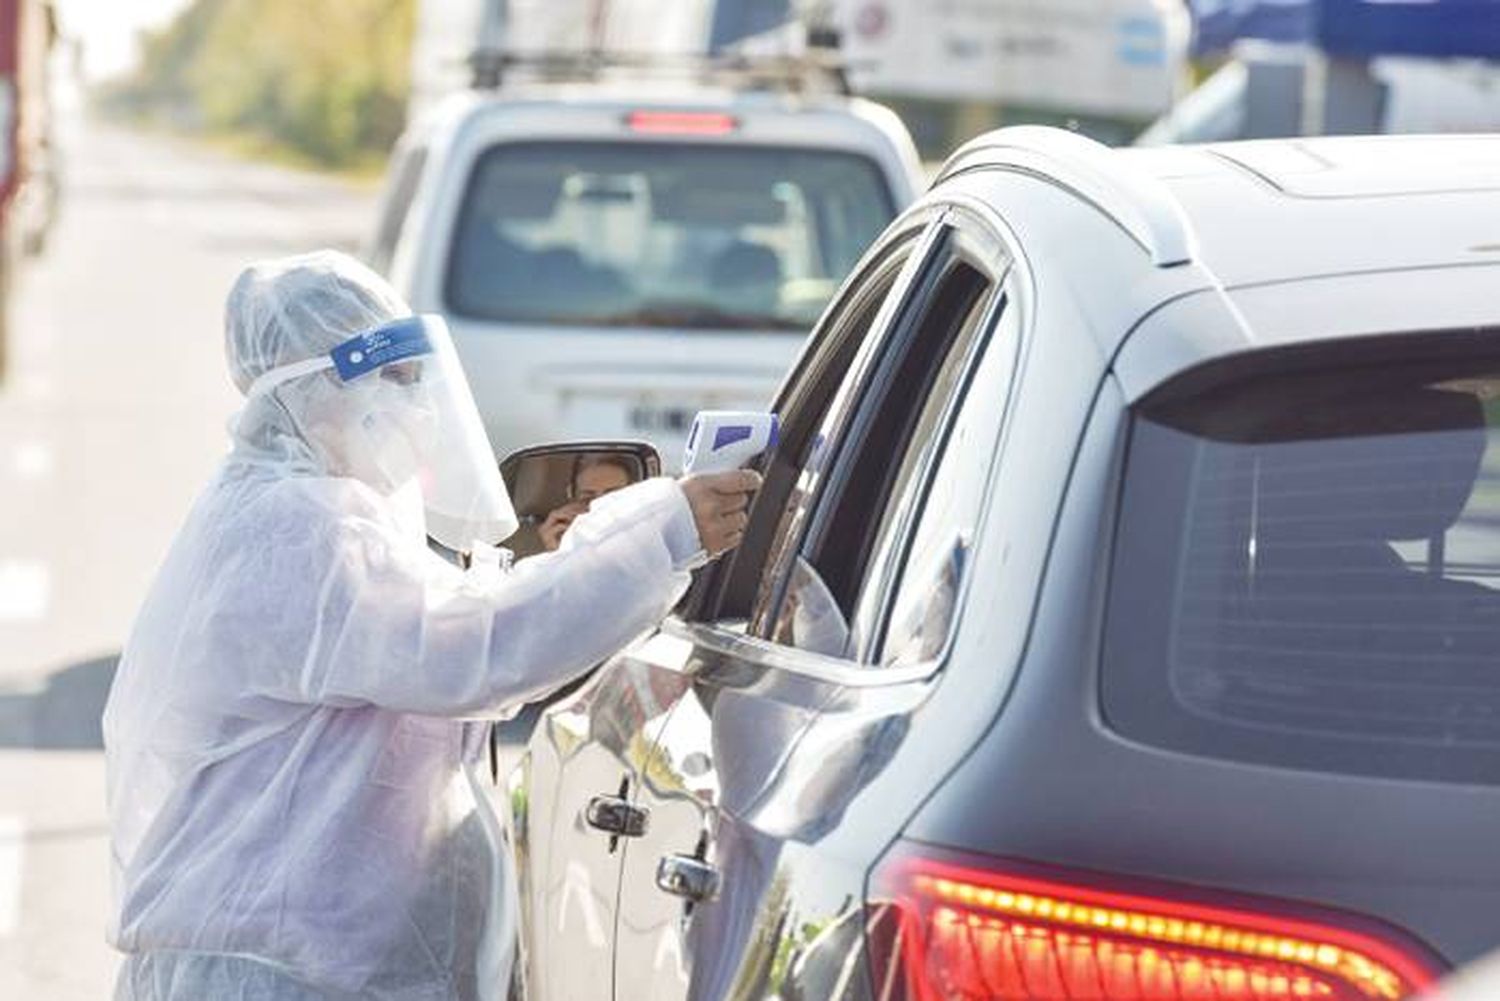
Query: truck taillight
{"x": 942, "y": 931}
{"x": 691, "y": 123}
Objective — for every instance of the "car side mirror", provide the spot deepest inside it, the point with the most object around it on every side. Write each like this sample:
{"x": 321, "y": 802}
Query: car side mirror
{"x": 550, "y": 485}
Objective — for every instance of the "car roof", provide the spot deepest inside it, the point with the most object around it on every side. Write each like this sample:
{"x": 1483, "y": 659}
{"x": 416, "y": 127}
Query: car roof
{"x": 1277, "y": 210}
{"x": 1267, "y": 243}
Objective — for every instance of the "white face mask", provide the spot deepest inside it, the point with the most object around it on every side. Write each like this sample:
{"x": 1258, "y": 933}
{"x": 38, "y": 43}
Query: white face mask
{"x": 406, "y": 413}
{"x": 387, "y": 449}
{"x": 399, "y": 426}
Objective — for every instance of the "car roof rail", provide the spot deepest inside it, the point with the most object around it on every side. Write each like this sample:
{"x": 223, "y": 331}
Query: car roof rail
{"x": 1140, "y": 204}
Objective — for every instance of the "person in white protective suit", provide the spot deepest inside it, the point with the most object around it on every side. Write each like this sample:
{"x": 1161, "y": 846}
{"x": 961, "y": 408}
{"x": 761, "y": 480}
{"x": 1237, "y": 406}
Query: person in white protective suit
{"x": 292, "y": 811}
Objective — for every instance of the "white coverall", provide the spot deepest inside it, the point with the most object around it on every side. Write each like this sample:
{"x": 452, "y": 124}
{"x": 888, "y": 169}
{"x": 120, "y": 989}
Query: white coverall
{"x": 293, "y": 812}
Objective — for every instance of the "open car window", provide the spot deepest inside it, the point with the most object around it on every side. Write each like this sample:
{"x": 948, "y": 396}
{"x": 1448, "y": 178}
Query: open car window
{"x": 872, "y": 453}
{"x": 821, "y": 383}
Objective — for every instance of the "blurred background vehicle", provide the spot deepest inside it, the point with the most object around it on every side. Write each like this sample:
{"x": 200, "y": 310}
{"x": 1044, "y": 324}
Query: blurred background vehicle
{"x": 1117, "y": 618}
{"x": 620, "y": 250}
{"x": 28, "y": 152}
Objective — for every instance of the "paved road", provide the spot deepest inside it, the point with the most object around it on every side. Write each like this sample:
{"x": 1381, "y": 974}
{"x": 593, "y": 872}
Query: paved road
{"x": 111, "y": 417}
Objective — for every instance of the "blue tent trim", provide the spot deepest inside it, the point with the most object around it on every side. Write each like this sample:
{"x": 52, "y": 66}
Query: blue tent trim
{"x": 1434, "y": 28}
{"x": 1218, "y": 24}
{"x": 735, "y": 21}
{"x": 1359, "y": 28}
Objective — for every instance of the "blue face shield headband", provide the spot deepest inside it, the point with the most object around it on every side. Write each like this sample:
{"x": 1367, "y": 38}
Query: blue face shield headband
{"x": 361, "y": 354}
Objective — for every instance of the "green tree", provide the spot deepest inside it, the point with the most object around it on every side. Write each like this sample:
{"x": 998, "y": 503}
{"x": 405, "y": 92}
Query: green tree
{"x": 326, "y": 78}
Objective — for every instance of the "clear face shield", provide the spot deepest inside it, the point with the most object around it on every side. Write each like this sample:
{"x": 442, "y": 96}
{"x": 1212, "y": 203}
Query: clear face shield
{"x": 411, "y": 416}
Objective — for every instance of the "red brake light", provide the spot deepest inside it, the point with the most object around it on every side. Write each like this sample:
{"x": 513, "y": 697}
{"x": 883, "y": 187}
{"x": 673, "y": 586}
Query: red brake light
{"x": 694, "y": 123}
{"x": 947, "y": 932}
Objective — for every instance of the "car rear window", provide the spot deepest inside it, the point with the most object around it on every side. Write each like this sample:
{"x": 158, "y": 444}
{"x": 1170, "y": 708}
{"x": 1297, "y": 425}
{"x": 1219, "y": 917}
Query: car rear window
{"x": 660, "y": 234}
{"x": 1307, "y": 573}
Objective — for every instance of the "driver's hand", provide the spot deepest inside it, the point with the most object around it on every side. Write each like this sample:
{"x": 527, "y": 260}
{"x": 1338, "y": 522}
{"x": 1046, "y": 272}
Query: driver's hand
{"x": 551, "y": 531}
{"x": 720, "y": 503}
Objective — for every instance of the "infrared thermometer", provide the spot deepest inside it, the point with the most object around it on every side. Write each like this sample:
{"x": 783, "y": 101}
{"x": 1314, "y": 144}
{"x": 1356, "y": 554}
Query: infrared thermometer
{"x": 722, "y": 440}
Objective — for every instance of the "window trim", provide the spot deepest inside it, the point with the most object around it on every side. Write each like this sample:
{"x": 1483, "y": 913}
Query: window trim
{"x": 954, "y": 256}
{"x": 1018, "y": 289}
{"x": 983, "y": 244}
{"x": 889, "y": 576}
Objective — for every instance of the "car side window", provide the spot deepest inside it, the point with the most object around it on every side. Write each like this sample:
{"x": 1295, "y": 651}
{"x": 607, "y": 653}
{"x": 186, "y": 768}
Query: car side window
{"x": 727, "y": 592}
{"x": 927, "y": 551}
{"x": 400, "y": 192}
{"x": 879, "y": 451}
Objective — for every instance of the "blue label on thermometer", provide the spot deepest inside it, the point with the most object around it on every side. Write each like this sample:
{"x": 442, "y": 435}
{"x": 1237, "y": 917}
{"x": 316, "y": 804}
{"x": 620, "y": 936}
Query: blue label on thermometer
{"x": 729, "y": 435}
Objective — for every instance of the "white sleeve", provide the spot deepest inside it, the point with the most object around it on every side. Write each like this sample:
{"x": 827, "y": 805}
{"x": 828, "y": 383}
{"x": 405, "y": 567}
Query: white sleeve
{"x": 396, "y": 631}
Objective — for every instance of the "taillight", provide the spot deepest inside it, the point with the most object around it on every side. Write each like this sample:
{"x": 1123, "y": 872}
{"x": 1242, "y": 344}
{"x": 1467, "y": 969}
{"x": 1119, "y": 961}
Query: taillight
{"x": 943, "y": 931}
{"x": 693, "y": 123}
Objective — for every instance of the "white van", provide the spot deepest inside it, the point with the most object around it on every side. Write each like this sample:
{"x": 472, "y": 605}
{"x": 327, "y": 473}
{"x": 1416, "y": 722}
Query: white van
{"x": 613, "y": 258}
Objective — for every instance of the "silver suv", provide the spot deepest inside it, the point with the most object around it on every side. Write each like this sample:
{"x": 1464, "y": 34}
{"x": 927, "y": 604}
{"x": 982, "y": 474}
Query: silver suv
{"x": 1120, "y": 617}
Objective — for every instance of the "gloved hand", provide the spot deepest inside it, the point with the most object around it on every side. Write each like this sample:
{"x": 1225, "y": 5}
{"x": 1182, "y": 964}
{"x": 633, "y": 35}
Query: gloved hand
{"x": 720, "y": 503}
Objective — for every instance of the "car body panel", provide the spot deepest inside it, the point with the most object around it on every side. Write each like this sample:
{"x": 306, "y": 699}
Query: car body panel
{"x": 791, "y": 753}
{"x": 594, "y": 742}
{"x": 1247, "y": 230}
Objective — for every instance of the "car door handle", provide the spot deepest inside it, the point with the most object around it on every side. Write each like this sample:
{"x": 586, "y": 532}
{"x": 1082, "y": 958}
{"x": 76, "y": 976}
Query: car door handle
{"x": 688, "y": 877}
{"x": 615, "y": 816}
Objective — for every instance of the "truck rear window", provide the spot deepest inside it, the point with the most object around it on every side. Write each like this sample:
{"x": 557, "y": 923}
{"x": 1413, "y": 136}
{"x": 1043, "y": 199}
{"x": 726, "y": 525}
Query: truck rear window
{"x": 656, "y": 234}
{"x": 1307, "y": 574}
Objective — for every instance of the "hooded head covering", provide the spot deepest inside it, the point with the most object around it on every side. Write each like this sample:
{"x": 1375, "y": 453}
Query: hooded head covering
{"x": 289, "y": 310}
{"x": 409, "y": 422}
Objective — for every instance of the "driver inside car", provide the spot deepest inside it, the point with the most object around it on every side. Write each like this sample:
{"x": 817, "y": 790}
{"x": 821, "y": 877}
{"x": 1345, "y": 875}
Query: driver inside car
{"x": 593, "y": 477}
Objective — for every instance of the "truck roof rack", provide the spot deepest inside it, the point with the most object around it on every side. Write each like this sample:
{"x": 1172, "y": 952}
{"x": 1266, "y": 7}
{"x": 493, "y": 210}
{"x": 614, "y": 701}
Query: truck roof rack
{"x": 1139, "y": 203}
{"x": 818, "y": 68}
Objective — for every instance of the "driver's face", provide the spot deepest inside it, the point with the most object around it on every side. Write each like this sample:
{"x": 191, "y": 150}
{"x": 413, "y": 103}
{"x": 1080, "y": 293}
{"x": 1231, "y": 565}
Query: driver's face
{"x": 596, "y": 481}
